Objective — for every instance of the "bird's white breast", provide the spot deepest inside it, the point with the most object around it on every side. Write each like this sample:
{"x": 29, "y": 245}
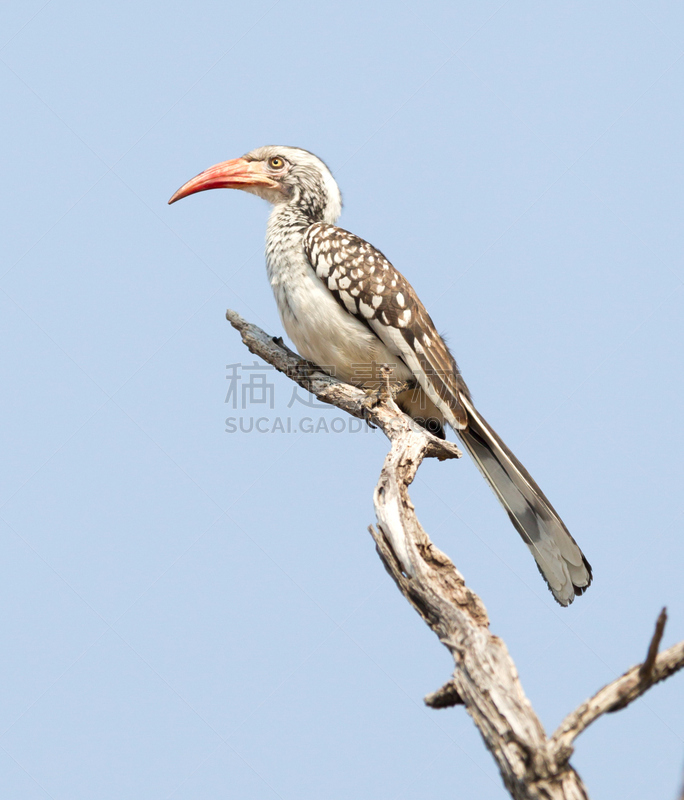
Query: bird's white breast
{"x": 320, "y": 328}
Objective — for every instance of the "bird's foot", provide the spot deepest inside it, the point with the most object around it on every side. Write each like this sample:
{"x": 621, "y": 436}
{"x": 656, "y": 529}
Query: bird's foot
{"x": 369, "y": 402}
{"x": 380, "y": 393}
{"x": 279, "y": 341}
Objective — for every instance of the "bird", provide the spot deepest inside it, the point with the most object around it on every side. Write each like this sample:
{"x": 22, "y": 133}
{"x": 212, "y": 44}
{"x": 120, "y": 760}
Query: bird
{"x": 347, "y": 309}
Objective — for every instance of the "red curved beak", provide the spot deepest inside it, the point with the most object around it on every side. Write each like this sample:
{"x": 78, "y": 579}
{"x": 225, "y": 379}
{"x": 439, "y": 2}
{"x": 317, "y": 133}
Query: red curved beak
{"x": 236, "y": 174}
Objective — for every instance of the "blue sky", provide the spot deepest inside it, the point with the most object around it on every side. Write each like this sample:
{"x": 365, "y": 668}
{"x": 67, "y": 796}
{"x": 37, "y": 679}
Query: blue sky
{"x": 190, "y": 612}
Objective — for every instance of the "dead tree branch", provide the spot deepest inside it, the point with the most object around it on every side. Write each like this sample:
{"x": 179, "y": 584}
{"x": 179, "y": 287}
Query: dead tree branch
{"x": 621, "y": 692}
{"x": 485, "y": 680}
{"x": 646, "y": 669}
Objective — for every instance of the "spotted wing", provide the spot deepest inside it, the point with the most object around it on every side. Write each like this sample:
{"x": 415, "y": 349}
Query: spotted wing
{"x": 364, "y": 283}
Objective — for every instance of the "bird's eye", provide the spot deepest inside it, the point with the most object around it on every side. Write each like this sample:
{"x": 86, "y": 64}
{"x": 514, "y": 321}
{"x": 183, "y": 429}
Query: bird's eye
{"x": 276, "y": 162}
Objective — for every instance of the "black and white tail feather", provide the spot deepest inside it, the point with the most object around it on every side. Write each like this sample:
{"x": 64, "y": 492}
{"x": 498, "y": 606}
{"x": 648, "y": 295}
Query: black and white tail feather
{"x": 559, "y": 559}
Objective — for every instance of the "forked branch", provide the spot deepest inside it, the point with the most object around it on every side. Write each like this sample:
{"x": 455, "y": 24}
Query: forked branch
{"x": 485, "y": 680}
{"x": 623, "y": 691}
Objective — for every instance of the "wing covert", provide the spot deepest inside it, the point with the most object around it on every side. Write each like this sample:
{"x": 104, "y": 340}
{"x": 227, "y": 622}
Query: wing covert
{"x": 367, "y": 286}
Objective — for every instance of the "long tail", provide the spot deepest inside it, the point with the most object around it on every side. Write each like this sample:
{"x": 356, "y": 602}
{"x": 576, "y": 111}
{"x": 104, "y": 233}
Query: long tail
{"x": 561, "y": 563}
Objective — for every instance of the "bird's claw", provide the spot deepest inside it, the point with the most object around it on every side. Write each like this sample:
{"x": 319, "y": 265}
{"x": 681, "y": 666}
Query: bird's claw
{"x": 369, "y": 402}
{"x": 373, "y": 398}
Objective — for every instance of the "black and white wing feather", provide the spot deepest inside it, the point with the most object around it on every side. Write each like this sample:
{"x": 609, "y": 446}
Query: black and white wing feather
{"x": 364, "y": 282}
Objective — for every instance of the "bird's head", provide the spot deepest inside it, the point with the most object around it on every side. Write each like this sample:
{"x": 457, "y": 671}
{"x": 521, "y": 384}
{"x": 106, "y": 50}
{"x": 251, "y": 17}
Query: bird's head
{"x": 281, "y": 175}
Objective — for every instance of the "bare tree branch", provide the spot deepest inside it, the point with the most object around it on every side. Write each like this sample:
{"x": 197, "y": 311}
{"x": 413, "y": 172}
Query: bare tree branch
{"x": 621, "y": 692}
{"x": 646, "y": 669}
{"x": 446, "y": 696}
{"x": 485, "y": 680}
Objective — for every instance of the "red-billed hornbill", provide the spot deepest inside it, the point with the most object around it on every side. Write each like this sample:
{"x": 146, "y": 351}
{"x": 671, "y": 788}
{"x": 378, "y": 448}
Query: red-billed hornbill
{"x": 348, "y": 309}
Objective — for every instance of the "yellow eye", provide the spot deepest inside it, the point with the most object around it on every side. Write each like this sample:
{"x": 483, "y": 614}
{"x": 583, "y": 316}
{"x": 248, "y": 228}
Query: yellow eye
{"x": 276, "y": 162}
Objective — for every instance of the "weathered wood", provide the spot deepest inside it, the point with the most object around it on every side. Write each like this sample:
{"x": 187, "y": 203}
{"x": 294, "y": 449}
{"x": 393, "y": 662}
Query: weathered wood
{"x": 621, "y": 692}
{"x": 485, "y": 680}
{"x": 646, "y": 669}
